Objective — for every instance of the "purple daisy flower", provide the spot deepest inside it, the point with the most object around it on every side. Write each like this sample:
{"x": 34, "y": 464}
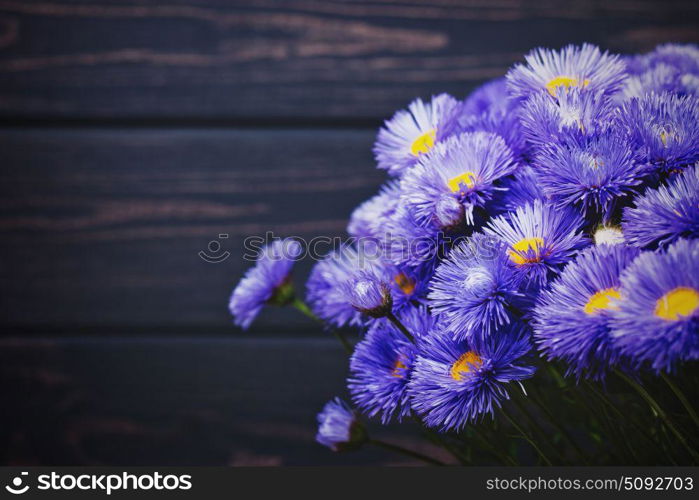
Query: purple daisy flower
{"x": 475, "y": 290}
{"x": 372, "y": 287}
{"x": 325, "y": 286}
{"x": 539, "y": 238}
{"x": 491, "y": 95}
{"x": 490, "y": 109}
{"x": 503, "y": 121}
{"x": 664, "y": 128}
{"x": 683, "y": 57}
{"x": 571, "y": 318}
{"x": 660, "y": 79}
{"x": 344, "y": 281}
{"x": 665, "y": 214}
{"x": 572, "y": 116}
{"x": 584, "y": 67}
{"x": 457, "y": 176}
{"x": 516, "y": 191}
{"x": 669, "y": 68}
{"x": 381, "y": 366}
{"x": 413, "y": 132}
{"x": 368, "y": 294}
{"x": 268, "y": 282}
{"x": 657, "y": 322}
{"x": 457, "y": 383}
{"x": 339, "y": 428}
{"x": 592, "y": 175}
{"x": 409, "y": 244}
{"x": 368, "y": 219}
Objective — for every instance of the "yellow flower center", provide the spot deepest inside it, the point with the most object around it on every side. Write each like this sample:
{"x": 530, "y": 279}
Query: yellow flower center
{"x": 467, "y": 179}
{"x": 668, "y": 134}
{"x": 677, "y": 303}
{"x": 398, "y": 368}
{"x": 467, "y": 362}
{"x": 566, "y": 82}
{"x": 604, "y": 299}
{"x": 406, "y": 284}
{"x": 518, "y": 253}
{"x": 424, "y": 143}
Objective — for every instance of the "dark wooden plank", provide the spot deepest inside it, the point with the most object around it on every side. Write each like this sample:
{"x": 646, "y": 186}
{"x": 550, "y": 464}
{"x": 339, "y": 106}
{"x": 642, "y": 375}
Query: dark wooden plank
{"x": 309, "y": 59}
{"x": 181, "y": 401}
{"x": 102, "y": 229}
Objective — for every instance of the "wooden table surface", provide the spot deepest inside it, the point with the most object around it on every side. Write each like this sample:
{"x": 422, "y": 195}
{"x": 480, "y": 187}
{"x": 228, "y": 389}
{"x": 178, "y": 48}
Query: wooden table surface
{"x": 134, "y": 133}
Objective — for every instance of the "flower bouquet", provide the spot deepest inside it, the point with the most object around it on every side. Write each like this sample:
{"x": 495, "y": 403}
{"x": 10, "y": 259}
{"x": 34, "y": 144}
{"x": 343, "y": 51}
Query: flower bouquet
{"x": 526, "y": 283}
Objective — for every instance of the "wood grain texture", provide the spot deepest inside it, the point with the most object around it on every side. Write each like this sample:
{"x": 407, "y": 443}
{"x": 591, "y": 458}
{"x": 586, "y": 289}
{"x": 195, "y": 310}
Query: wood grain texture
{"x": 293, "y": 59}
{"x": 103, "y": 229}
{"x": 181, "y": 401}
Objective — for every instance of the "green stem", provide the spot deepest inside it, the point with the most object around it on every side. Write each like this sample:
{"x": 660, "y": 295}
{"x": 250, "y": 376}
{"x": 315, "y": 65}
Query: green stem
{"x": 304, "y": 309}
{"x": 392, "y": 318}
{"x": 440, "y": 440}
{"x": 683, "y": 399}
{"x": 614, "y": 430}
{"x": 560, "y": 380}
{"x": 526, "y": 436}
{"x": 404, "y": 451}
{"x": 659, "y": 411}
{"x": 641, "y": 431}
{"x": 625, "y": 418}
{"x": 566, "y": 435}
{"x": 535, "y": 425}
{"x": 503, "y": 457}
{"x": 301, "y": 306}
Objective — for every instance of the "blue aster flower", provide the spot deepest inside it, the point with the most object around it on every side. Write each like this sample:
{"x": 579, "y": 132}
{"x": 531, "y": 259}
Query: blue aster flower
{"x": 412, "y": 132}
{"x": 268, "y": 282}
{"x": 405, "y": 285}
{"x": 332, "y": 292}
{"x": 490, "y": 109}
{"x": 591, "y": 175}
{"x": 657, "y": 321}
{"x": 325, "y": 286}
{"x": 571, "y": 317}
{"x": 409, "y": 244}
{"x": 501, "y": 120}
{"x": 574, "y": 115}
{"x": 457, "y": 176}
{"x": 516, "y": 191}
{"x": 382, "y": 363}
{"x": 584, "y": 67}
{"x": 489, "y": 96}
{"x": 664, "y": 128}
{"x": 539, "y": 238}
{"x": 475, "y": 291}
{"x": 368, "y": 294}
{"x": 660, "y": 79}
{"x": 457, "y": 383}
{"x": 669, "y": 68}
{"x": 684, "y": 57}
{"x": 339, "y": 428}
{"x": 369, "y": 218}
{"x": 665, "y": 214}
